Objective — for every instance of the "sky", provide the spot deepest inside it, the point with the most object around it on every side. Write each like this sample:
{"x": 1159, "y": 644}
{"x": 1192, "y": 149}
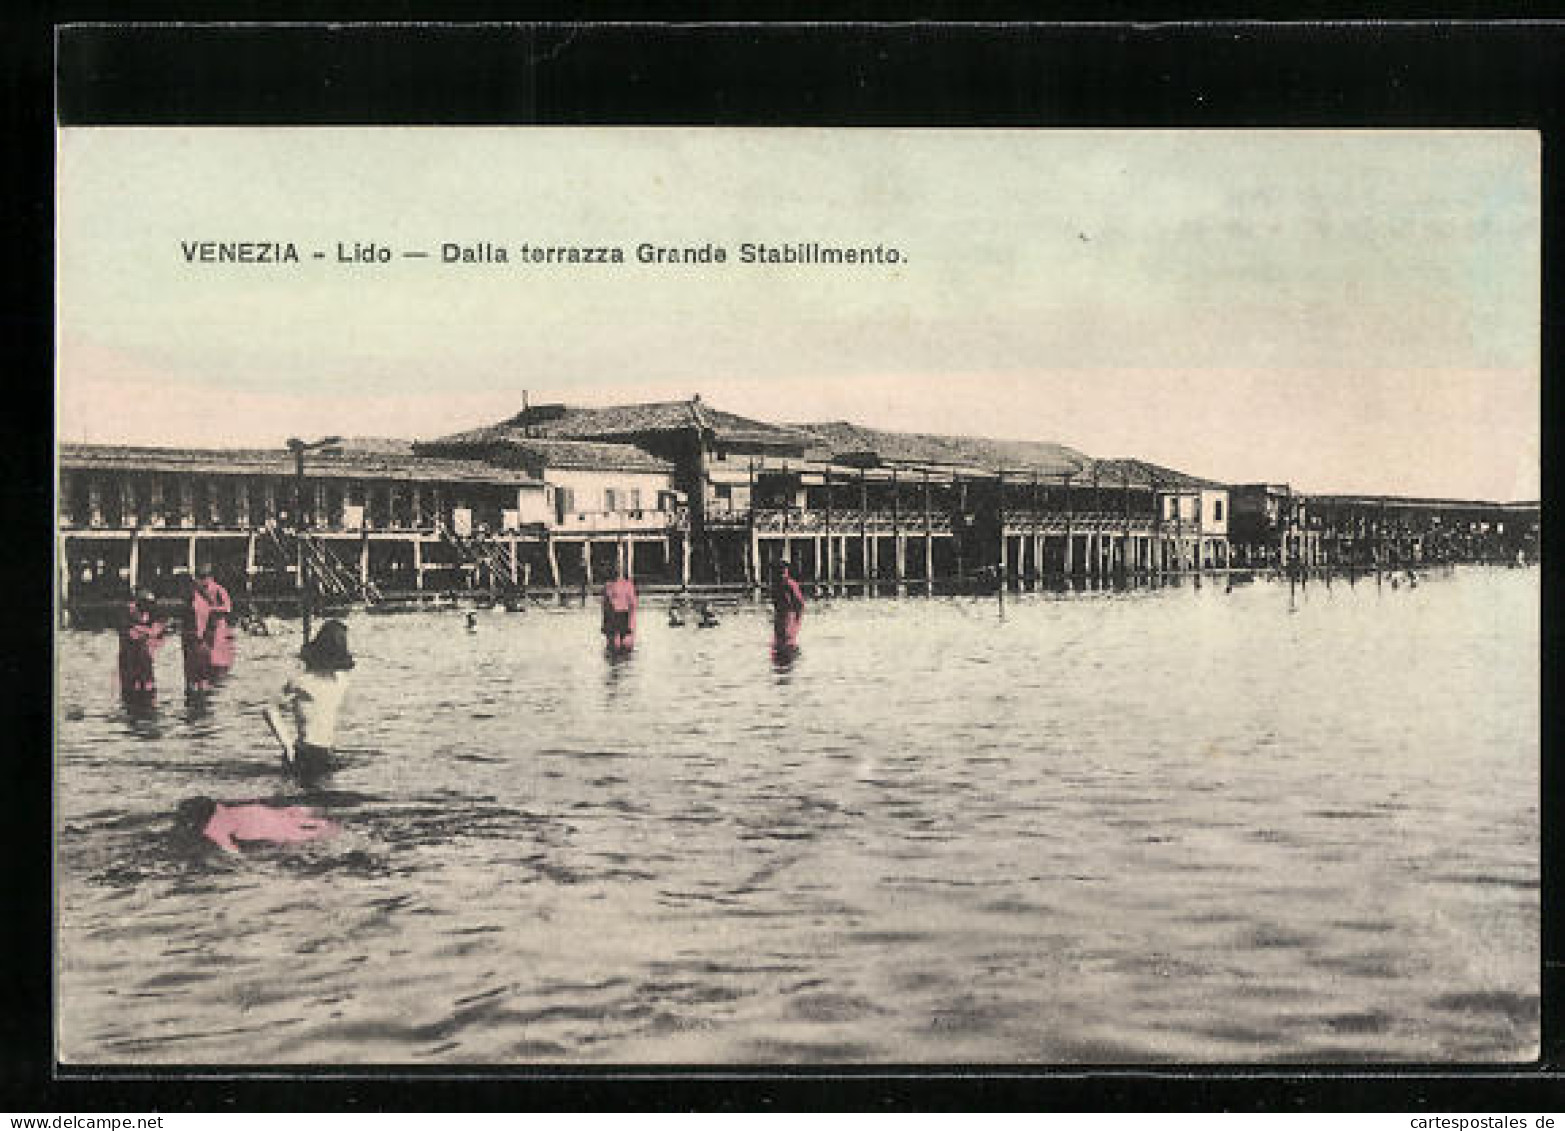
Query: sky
{"x": 1339, "y": 310}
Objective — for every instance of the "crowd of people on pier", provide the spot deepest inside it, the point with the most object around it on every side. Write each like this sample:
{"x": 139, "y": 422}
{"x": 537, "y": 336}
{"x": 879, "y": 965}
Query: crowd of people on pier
{"x": 304, "y": 717}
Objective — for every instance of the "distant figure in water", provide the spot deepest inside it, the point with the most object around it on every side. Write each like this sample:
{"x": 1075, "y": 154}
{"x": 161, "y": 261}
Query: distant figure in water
{"x": 219, "y": 629}
{"x": 472, "y": 622}
{"x": 141, "y": 635}
{"x": 254, "y": 624}
{"x": 619, "y": 614}
{"x": 709, "y": 618}
{"x": 305, "y": 718}
{"x": 676, "y": 616}
{"x": 787, "y": 609}
{"x": 250, "y": 822}
{"x": 194, "y": 636}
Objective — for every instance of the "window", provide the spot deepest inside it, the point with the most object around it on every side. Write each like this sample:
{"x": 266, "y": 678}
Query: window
{"x": 610, "y": 499}
{"x": 1217, "y": 510}
{"x": 634, "y": 499}
{"x": 564, "y": 503}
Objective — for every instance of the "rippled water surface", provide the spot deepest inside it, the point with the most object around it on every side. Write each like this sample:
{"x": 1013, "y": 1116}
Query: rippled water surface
{"x": 1174, "y": 824}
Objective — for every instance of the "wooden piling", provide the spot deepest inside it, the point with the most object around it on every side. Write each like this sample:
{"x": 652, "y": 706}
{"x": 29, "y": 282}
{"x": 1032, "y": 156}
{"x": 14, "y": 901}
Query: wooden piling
{"x": 864, "y": 554}
{"x": 896, "y": 528}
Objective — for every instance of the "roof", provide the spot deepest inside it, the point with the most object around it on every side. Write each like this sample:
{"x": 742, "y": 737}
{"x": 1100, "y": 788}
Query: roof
{"x": 842, "y": 441}
{"x": 1143, "y": 474}
{"x": 563, "y": 422}
{"x": 1402, "y": 501}
{"x": 351, "y": 462}
{"x": 502, "y": 442}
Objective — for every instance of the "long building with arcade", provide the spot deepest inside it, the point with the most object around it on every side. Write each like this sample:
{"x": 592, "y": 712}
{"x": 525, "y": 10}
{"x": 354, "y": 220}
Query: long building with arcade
{"x": 684, "y": 493}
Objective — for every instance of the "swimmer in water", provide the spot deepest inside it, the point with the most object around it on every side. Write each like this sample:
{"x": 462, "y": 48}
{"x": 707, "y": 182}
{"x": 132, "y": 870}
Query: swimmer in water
{"x": 472, "y": 622}
{"x": 709, "y": 618}
{"x": 232, "y": 825}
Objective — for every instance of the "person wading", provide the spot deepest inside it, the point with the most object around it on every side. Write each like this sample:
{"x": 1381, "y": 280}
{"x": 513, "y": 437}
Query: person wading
{"x": 219, "y": 626}
{"x": 194, "y": 628}
{"x": 619, "y": 614}
{"x": 141, "y": 635}
{"x": 787, "y": 609}
{"x": 304, "y": 720}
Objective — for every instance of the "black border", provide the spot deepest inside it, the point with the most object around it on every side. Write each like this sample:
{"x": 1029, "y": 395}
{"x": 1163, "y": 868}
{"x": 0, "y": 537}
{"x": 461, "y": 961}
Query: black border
{"x": 907, "y": 73}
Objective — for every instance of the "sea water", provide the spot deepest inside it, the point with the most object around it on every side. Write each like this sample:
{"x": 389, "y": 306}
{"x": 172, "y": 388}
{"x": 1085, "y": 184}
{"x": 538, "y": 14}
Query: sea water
{"x": 1194, "y": 824}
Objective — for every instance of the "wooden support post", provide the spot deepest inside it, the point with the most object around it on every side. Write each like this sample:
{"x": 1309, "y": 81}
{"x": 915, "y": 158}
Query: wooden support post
{"x": 554, "y": 560}
{"x": 62, "y": 565}
{"x": 418, "y": 561}
{"x": 999, "y": 507}
{"x": 864, "y": 554}
{"x": 630, "y": 557}
{"x": 752, "y": 565}
{"x": 1124, "y": 546}
{"x": 684, "y": 560}
{"x": 586, "y": 559}
{"x": 1200, "y": 532}
{"x": 896, "y": 527}
{"x": 135, "y": 563}
{"x": 1070, "y": 533}
{"x": 511, "y": 564}
{"x": 190, "y": 555}
{"x": 364, "y": 557}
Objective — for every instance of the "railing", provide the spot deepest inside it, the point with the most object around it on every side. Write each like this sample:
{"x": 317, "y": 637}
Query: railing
{"x": 646, "y": 518}
{"x": 814, "y": 520}
{"x": 428, "y": 527}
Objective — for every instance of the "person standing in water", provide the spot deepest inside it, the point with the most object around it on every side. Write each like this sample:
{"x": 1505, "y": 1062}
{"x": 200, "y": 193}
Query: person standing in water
{"x": 194, "y": 623}
{"x": 619, "y": 614}
{"x": 305, "y": 719}
{"x": 219, "y": 629}
{"x": 141, "y": 635}
{"x": 787, "y": 609}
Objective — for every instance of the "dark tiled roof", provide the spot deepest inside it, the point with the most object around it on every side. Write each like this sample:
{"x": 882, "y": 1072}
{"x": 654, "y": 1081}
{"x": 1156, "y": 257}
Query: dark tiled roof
{"x": 560, "y": 422}
{"x": 1113, "y": 472}
{"x": 502, "y": 443}
{"x": 352, "y": 462}
{"x": 843, "y": 441}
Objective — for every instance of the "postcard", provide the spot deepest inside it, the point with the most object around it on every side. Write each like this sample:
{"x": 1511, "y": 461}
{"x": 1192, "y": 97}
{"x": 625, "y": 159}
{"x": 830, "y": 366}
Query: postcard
{"x": 751, "y": 596}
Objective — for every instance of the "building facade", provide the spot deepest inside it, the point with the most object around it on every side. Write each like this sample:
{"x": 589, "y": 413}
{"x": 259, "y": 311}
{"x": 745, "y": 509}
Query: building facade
{"x": 681, "y": 492}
